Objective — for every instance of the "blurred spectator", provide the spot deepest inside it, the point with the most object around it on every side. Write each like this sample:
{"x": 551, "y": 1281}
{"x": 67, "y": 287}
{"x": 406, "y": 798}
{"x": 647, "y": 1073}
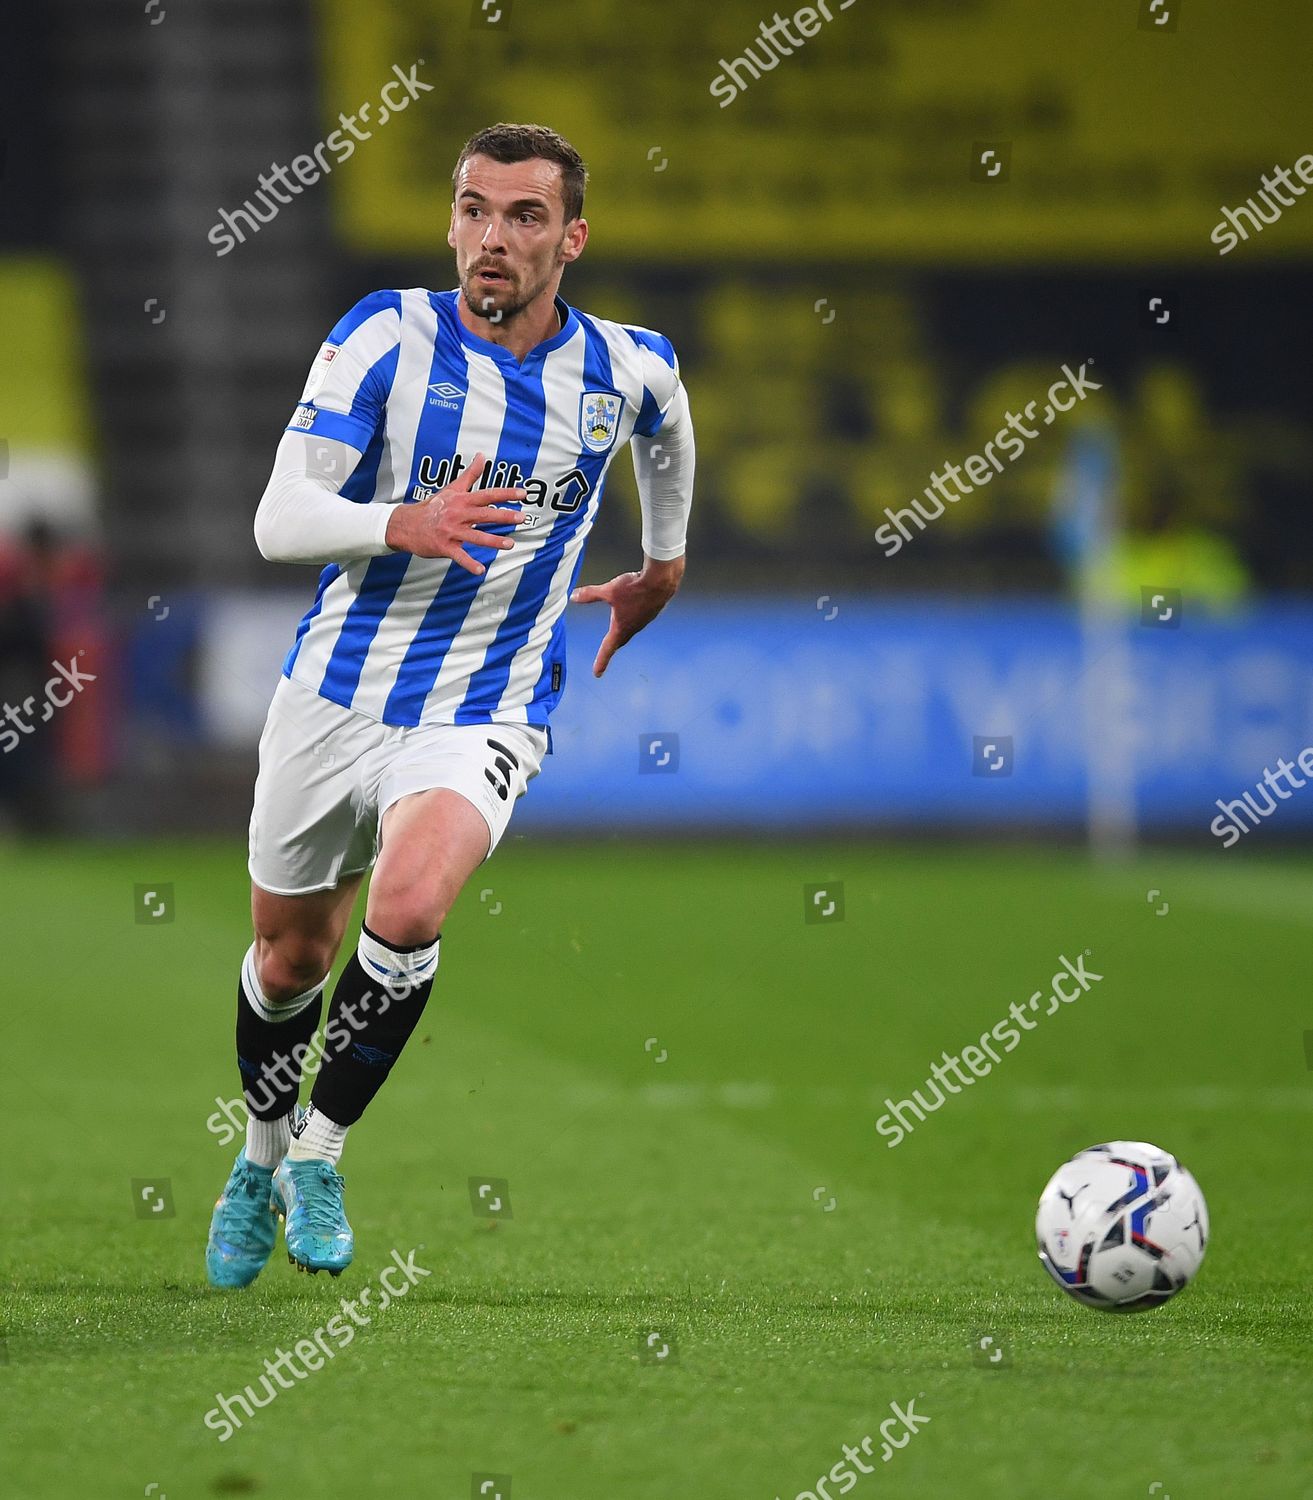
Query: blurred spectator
{"x": 26, "y": 647}
{"x": 1172, "y": 550}
{"x": 51, "y": 611}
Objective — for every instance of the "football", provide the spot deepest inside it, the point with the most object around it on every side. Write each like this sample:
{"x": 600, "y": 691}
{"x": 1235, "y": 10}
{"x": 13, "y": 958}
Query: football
{"x": 1122, "y": 1226}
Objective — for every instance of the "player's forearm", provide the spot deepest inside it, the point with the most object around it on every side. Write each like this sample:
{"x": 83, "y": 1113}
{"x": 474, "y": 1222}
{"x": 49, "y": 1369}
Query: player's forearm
{"x": 663, "y": 468}
{"x": 302, "y": 523}
{"x": 301, "y": 517}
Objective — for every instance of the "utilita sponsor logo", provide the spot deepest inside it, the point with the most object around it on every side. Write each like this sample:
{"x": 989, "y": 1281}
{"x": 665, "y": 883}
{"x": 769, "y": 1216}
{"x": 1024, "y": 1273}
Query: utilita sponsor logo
{"x": 565, "y": 493}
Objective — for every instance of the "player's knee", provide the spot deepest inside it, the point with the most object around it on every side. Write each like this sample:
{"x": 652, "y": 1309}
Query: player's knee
{"x": 291, "y": 965}
{"x": 404, "y": 917}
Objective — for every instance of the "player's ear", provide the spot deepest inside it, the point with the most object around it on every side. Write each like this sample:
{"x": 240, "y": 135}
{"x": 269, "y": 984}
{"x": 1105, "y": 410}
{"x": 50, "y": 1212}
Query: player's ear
{"x": 574, "y": 240}
{"x": 451, "y": 228}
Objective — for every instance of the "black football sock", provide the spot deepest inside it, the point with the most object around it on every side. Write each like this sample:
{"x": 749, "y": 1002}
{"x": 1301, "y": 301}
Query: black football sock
{"x": 376, "y": 1004}
{"x": 273, "y": 1040}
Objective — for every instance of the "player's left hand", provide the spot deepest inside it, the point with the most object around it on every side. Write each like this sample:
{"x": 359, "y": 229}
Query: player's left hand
{"x": 636, "y": 599}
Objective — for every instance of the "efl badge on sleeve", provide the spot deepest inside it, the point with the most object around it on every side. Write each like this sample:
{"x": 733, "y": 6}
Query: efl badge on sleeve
{"x": 319, "y": 371}
{"x": 599, "y": 419}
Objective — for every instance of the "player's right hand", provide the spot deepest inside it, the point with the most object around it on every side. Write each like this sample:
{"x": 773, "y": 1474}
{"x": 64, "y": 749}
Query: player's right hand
{"x": 448, "y": 522}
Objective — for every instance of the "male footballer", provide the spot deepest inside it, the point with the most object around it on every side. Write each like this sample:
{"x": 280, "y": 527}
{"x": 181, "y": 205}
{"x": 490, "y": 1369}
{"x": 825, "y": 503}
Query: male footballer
{"x": 444, "y": 467}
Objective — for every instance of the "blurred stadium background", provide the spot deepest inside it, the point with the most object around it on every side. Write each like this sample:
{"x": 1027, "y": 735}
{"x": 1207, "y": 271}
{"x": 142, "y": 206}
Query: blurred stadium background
{"x": 855, "y": 301}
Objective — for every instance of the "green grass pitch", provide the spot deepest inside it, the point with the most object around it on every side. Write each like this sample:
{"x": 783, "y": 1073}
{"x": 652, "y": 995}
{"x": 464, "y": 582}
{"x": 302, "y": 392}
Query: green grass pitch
{"x": 722, "y": 1186}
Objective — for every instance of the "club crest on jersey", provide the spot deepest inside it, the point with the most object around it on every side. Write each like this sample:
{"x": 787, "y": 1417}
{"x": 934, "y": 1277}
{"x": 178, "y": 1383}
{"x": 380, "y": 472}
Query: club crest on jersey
{"x": 599, "y": 419}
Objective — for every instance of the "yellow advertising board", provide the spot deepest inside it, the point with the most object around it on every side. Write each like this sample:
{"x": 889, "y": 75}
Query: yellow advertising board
{"x": 970, "y": 131}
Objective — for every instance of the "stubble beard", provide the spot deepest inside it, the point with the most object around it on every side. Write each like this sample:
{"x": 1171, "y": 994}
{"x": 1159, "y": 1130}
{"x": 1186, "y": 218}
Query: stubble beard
{"x": 505, "y": 313}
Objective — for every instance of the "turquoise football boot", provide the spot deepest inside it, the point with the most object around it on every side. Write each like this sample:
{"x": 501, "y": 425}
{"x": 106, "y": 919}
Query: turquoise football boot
{"x": 308, "y": 1194}
{"x": 243, "y": 1228}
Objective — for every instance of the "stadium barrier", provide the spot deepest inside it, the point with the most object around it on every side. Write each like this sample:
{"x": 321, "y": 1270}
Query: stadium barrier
{"x": 931, "y": 711}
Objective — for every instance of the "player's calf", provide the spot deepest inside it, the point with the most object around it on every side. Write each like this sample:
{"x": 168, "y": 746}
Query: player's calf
{"x": 376, "y": 1005}
{"x": 273, "y": 1040}
{"x": 431, "y": 841}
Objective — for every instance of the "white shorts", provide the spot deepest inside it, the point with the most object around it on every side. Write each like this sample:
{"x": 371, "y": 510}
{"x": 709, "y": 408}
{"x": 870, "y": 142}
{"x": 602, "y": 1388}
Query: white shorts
{"x": 327, "y": 776}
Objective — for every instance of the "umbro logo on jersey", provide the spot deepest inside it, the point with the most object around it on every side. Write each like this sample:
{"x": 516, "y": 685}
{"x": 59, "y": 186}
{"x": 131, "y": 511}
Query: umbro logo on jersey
{"x": 446, "y": 394}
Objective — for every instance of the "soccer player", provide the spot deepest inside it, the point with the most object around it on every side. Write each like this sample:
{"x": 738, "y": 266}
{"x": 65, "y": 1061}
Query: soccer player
{"x": 446, "y": 462}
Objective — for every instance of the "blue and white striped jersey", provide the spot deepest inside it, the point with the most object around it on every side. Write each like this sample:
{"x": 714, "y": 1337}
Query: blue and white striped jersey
{"x": 411, "y": 640}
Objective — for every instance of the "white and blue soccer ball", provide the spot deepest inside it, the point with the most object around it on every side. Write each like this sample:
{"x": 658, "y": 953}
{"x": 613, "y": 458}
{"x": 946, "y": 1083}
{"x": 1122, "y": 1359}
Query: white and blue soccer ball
{"x": 1122, "y": 1226}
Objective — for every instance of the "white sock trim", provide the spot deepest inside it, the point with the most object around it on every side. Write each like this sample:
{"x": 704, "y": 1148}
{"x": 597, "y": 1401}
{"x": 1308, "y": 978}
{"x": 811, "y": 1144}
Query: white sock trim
{"x": 318, "y": 1139}
{"x": 273, "y": 1010}
{"x": 398, "y": 973}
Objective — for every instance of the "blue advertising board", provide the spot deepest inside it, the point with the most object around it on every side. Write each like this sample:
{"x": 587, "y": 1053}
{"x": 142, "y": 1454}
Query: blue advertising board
{"x": 744, "y": 712}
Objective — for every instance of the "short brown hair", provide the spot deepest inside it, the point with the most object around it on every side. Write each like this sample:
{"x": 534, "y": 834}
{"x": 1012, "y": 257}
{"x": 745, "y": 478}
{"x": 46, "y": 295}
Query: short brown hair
{"x": 511, "y": 143}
